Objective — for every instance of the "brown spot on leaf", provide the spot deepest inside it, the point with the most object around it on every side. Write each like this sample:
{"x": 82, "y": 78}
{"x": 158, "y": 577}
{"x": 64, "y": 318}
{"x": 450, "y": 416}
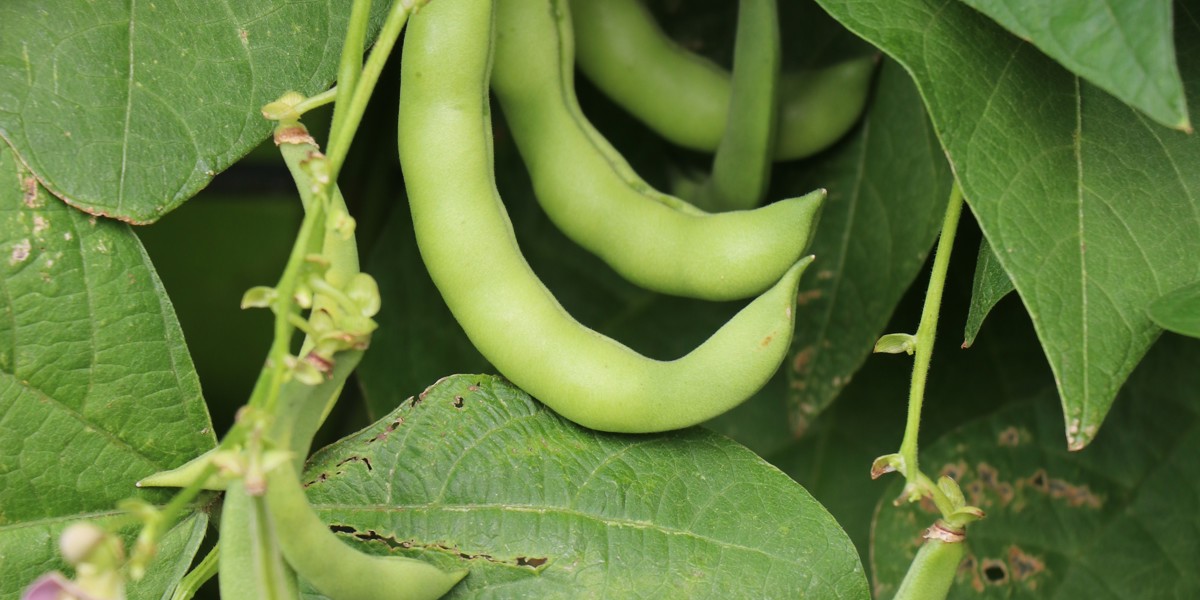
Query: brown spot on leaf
{"x": 798, "y": 424}
{"x": 528, "y": 562}
{"x": 1022, "y": 565}
{"x": 320, "y": 478}
{"x": 803, "y": 298}
{"x": 387, "y": 430}
{"x": 1039, "y": 481}
{"x": 1010, "y": 437}
{"x": 458, "y": 402}
{"x": 801, "y": 361}
{"x": 20, "y": 252}
{"x": 29, "y": 194}
{"x": 988, "y": 474}
{"x": 995, "y": 572}
{"x": 362, "y": 459}
{"x": 1074, "y": 495}
{"x": 975, "y": 493}
{"x": 767, "y": 341}
{"x": 968, "y": 565}
{"x": 1005, "y": 491}
{"x": 954, "y": 471}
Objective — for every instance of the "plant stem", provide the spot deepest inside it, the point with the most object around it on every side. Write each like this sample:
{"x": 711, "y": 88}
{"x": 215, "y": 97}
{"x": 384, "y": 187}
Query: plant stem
{"x": 319, "y": 100}
{"x": 351, "y": 65}
{"x": 926, "y": 333}
{"x": 342, "y": 131}
{"x": 275, "y": 369}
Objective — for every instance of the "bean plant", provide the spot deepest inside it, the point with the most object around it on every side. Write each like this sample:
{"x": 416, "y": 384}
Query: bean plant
{"x": 648, "y": 306}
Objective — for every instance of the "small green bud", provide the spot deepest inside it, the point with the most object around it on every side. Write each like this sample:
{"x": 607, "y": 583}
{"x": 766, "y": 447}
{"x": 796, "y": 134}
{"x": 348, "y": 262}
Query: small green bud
{"x": 316, "y": 166}
{"x": 343, "y": 224}
{"x": 284, "y": 107}
{"x": 259, "y": 296}
{"x": 303, "y": 296}
{"x": 305, "y": 372}
{"x": 954, "y": 493}
{"x": 888, "y": 463}
{"x": 364, "y": 291}
{"x": 895, "y": 343}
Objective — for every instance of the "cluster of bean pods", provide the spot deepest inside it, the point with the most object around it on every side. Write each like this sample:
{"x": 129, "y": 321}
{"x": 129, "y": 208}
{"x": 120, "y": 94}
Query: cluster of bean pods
{"x": 524, "y": 50}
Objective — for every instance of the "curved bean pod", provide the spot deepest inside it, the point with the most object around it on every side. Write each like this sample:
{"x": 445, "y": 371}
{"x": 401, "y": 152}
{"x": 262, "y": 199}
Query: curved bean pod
{"x": 685, "y": 97}
{"x": 467, "y": 243}
{"x": 331, "y": 566}
{"x": 592, "y": 194}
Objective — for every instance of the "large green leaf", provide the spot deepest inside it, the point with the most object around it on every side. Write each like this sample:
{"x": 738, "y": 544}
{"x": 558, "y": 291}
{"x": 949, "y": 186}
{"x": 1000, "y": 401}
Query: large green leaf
{"x": 1124, "y": 47}
{"x": 1088, "y": 205}
{"x": 126, "y": 109}
{"x": 473, "y": 472}
{"x": 96, "y": 387}
{"x": 1118, "y": 520}
{"x": 888, "y": 185}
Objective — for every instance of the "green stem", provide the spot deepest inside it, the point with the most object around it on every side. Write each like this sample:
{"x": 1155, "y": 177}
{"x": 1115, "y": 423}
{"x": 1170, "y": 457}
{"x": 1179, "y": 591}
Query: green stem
{"x": 198, "y": 576}
{"x": 352, "y": 60}
{"x": 342, "y": 132}
{"x": 926, "y": 333}
{"x": 275, "y": 369}
{"x": 319, "y": 100}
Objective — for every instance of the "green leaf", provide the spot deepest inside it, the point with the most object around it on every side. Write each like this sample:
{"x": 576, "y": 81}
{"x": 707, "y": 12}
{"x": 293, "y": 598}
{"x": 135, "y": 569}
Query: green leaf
{"x": 888, "y": 184}
{"x": 475, "y": 473}
{"x": 126, "y": 109}
{"x": 1179, "y": 311}
{"x": 1115, "y": 521}
{"x": 1087, "y": 203}
{"x": 96, "y": 387}
{"x": 990, "y": 285}
{"x": 1124, "y": 47}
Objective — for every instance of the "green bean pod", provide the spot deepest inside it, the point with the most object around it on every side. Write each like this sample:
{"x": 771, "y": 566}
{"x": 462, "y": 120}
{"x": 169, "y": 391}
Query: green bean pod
{"x": 742, "y": 166}
{"x": 251, "y": 564}
{"x": 331, "y": 566}
{"x": 685, "y": 97}
{"x": 592, "y": 194}
{"x": 933, "y": 570}
{"x": 467, "y": 243}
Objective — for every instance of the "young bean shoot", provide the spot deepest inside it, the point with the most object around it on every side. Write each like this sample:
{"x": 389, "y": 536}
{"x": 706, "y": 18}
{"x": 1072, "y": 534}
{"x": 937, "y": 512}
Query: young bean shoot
{"x": 918, "y": 484}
